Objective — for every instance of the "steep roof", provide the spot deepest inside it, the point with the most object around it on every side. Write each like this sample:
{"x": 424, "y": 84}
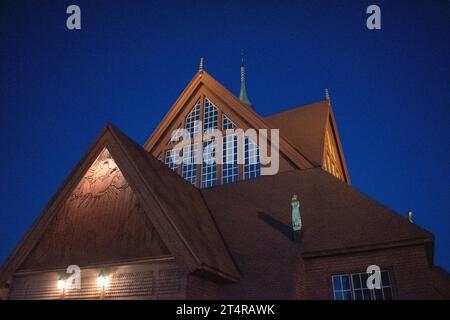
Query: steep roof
{"x": 255, "y": 217}
{"x": 204, "y": 83}
{"x": 305, "y": 127}
{"x": 174, "y": 207}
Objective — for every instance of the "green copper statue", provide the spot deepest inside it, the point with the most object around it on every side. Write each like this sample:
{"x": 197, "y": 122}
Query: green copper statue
{"x": 296, "y": 220}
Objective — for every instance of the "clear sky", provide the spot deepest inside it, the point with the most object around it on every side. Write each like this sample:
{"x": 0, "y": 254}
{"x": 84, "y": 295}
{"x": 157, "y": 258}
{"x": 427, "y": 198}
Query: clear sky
{"x": 389, "y": 88}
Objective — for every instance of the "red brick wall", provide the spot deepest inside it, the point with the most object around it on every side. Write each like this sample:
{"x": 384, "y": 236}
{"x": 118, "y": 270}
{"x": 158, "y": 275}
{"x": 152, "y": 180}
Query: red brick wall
{"x": 408, "y": 268}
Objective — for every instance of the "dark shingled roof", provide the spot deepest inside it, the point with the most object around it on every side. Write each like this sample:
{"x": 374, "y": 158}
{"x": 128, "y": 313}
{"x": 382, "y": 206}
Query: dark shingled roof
{"x": 174, "y": 207}
{"x": 254, "y": 218}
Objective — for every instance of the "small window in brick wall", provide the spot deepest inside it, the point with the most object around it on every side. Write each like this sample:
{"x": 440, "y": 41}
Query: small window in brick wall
{"x": 354, "y": 287}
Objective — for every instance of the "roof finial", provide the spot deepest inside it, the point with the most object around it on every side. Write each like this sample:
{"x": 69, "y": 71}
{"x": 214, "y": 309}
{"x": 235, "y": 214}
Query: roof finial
{"x": 243, "y": 94}
{"x": 327, "y": 94}
{"x": 200, "y": 67}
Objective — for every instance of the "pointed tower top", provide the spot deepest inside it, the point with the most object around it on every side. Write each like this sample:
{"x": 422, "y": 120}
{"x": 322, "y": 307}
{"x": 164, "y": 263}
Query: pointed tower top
{"x": 243, "y": 94}
{"x": 327, "y": 94}
{"x": 200, "y": 67}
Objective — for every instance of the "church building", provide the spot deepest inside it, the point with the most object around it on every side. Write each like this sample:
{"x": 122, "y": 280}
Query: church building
{"x": 131, "y": 222}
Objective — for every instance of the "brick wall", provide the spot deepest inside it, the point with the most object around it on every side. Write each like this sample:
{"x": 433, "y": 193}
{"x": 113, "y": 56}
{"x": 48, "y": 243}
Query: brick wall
{"x": 408, "y": 267}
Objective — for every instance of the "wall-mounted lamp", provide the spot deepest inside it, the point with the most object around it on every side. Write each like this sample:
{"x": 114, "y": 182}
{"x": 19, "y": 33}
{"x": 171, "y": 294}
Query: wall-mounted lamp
{"x": 61, "y": 284}
{"x": 102, "y": 282}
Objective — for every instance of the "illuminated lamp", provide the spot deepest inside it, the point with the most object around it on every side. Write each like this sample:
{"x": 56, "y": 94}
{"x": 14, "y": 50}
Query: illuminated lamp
{"x": 102, "y": 280}
{"x": 61, "y": 284}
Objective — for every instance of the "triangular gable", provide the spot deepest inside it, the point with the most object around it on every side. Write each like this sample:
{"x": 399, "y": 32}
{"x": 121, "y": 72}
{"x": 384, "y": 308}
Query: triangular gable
{"x": 175, "y": 209}
{"x": 307, "y": 127}
{"x": 101, "y": 222}
{"x": 333, "y": 137}
{"x": 205, "y": 85}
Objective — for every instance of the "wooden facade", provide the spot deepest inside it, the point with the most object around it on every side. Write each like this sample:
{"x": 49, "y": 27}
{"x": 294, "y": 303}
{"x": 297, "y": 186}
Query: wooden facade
{"x": 138, "y": 230}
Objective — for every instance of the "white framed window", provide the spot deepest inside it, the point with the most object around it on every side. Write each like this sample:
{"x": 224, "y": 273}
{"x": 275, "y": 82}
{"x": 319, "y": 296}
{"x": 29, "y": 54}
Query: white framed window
{"x": 169, "y": 159}
{"x": 209, "y": 169}
{"x": 227, "y": 123}
{"x": 210, "y": 116}
{"x": 252, "y": 164}
{"x": 189, "y": 167}
{"x": 354, "y": 287}
{"x": 192, "y": 123}
{"x": 230, "y": 168}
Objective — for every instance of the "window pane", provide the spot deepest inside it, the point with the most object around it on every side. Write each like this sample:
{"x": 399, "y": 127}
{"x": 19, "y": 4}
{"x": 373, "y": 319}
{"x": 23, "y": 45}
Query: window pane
{"x": 227, "y": 123}
{"x": 209, "y": 166}
{"x": 338, "y": 295}
{"x": 385, "y": 278}
{"x": 364, "y": 277}
{"x": 210, "y": 116}
{"x": 347, "y": 295}
{"x": 193, "y": 121}
{"x": 367, "y": 295}
{"x": 356, "y": 281}
{"x": 170, "y": 159}
{"x": 337, "y": 283}
{"x": 378, "y": 294}
{"x": 358, "y": 294}
{"x": 252, "y": 165}
{"x": 189, "y": 166}
{"x": 387, "y": 293}
{"x": 230, "y": 168}
{"x": 345, "y": 282}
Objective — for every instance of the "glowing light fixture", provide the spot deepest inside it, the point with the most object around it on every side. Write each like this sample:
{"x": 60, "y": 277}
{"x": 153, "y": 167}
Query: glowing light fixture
{"x": 102, "y": 280}
{"x": 61, "y": 284}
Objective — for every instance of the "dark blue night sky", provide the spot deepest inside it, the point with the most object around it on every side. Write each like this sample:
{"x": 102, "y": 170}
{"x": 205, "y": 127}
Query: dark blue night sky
{"x": 389, "y": 88}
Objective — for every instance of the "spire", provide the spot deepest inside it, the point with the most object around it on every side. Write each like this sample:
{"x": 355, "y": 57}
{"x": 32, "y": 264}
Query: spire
{"x": 200, "y": 67}
{"x": 327, "y": 94}
{"x": 243, "y": 94}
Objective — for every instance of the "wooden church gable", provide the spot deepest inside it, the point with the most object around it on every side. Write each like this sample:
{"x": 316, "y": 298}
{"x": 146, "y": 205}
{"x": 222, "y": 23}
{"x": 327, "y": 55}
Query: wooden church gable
{"x": 121, "y": 203}
{"x": 204, "y": 96}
